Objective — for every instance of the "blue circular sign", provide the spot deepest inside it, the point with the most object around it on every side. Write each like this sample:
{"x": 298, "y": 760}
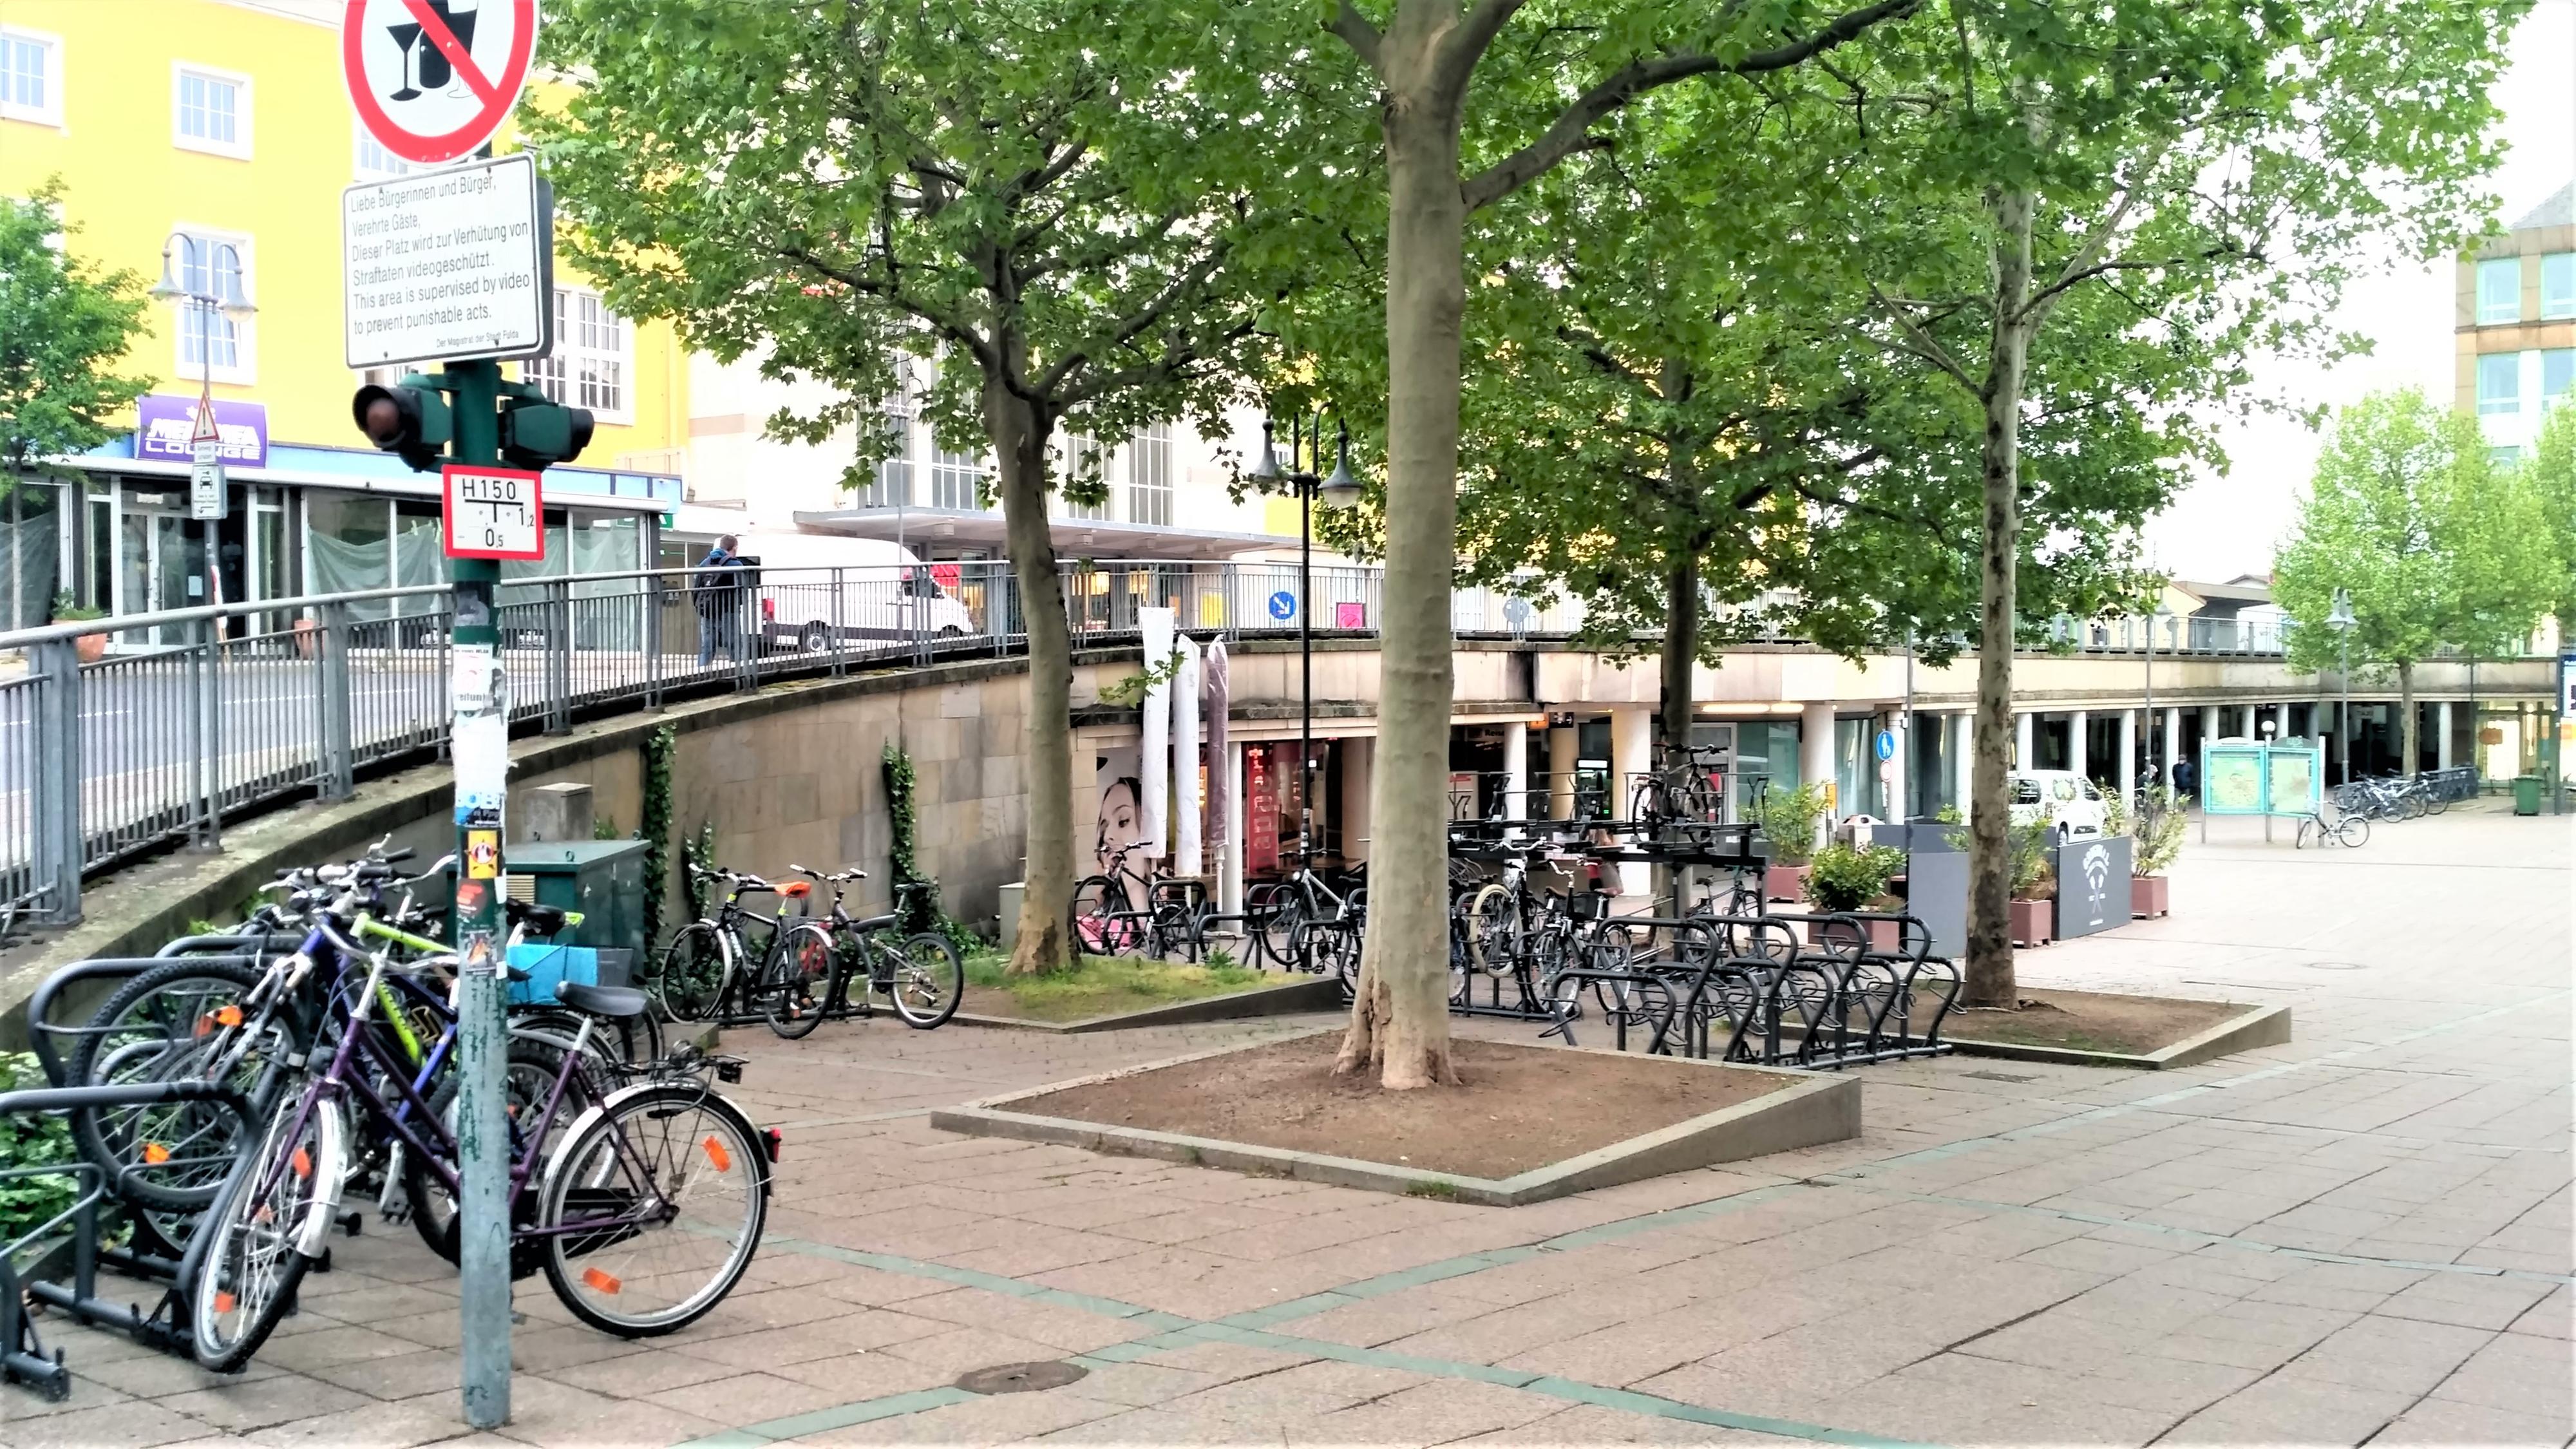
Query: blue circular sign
{"x": 1885, "y": 744}
{"x": 1283, "y": 605}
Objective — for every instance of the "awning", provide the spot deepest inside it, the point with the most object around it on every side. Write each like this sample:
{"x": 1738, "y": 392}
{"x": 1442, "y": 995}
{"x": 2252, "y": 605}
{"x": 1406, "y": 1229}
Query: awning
{"x": 940, "y": 530}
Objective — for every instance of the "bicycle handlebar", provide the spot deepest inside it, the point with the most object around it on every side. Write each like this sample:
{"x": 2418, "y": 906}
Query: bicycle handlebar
{"x": 836, "y": 877}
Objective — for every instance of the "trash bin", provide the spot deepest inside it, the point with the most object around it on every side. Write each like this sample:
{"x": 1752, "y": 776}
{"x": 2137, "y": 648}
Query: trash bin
{"x": 2526, "y": 794}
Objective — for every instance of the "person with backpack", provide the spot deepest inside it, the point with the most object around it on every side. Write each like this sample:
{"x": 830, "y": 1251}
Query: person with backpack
{"x": 719, "y": 602}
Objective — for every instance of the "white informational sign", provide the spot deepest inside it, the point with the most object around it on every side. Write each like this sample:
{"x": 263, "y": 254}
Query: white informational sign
{"x": 206, "y": 479}
{"x": 448, "y": 265}
{"x": 433, "y": 80}
{"x": 480, "y": 740}
{"x": 493, "y": 512}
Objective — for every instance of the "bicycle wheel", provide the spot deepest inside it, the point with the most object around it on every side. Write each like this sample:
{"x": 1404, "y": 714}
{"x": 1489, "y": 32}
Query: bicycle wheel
{"x": 2352, "y": 830}
{"x": 692, "y": 980}
{"x": 172, "y": 1023}
{"x": 799, "y": 981}
{"x": 929, "y": 980}
{"x": 653, "y": 1209}
{"x": 530, "y": 1074}
{"x": 1282, "y": 930}
{"x": 1092, "y": 924}
{"x": 252, "y": 1265}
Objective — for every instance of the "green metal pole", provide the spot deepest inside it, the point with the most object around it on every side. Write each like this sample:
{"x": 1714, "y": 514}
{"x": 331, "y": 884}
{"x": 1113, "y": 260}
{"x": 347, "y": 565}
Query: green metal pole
{"x": 482, "y": 1127}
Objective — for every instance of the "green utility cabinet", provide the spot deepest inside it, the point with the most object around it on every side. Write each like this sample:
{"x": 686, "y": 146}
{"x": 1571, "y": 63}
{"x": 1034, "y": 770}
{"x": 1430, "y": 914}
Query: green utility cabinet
{"x": 602, "y": 879}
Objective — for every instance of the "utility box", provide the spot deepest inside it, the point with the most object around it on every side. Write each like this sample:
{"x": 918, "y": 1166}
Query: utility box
{"x": 602, "y": 879}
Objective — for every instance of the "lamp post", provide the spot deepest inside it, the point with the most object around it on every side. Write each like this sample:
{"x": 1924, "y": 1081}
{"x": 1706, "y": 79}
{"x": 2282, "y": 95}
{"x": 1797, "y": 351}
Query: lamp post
{"x": 220, "y": 296}
{"x": 2342, "y": 622}
{"x": 2159, "y": 774}
{"x": 1336, "y": 491}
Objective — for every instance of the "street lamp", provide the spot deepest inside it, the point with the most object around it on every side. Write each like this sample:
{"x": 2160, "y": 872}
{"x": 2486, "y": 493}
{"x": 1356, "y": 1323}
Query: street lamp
{"x": 219, "y": 296}
{"x": 2342, "y": 622}
{"x": 2156, "y": 615}
{"x": 1339, "y": 490}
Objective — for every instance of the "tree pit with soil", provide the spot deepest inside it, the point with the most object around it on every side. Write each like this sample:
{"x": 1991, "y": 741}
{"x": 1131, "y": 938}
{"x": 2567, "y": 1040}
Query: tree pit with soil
{"x": 2093, "y": 1021}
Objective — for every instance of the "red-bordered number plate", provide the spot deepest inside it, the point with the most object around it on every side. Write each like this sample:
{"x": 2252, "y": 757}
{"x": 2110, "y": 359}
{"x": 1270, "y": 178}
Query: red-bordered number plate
{"x": 493, "y": 512}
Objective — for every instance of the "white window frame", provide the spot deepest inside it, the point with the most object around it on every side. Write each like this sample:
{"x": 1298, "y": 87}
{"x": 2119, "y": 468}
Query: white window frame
{"x": 2563, "y": 302}
{"x": 559, "y": 371}
{"x": 1075, "y": 446}
{"x": 2565, "y": 393}
{"x": 1150, "y": 495}
{"x": 51, "y": 112}
{"x": 2508, "y": 312}
{"x": 2504, "y": 404}
{"x": 245, "y": 369}
{"x": 239, "y": 148}
{"x": 963, "y": 474}
{"x": 359, "y": 143}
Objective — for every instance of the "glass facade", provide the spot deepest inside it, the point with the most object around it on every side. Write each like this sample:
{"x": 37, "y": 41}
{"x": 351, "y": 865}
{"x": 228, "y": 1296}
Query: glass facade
{"x": 2499, "y": 291}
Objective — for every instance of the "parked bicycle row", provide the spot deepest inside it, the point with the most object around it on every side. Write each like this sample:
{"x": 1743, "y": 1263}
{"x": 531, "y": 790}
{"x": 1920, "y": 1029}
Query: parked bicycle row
{"x": 794, "y": 970}
{"x": 2357, "y": 803}
{"x": 236, "y": 1093}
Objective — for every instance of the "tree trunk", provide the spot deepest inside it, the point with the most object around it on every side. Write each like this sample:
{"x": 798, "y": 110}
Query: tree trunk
{"x": 1990, "y": 949}
{"x": 1681, "y": 648}
{"x": 1019, "y": 439}
{"x": 2411, "y": 755}
{"x": 1400, "y": 1017}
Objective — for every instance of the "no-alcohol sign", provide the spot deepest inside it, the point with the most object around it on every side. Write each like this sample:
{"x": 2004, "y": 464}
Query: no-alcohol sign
{"x": 434, "y": 79}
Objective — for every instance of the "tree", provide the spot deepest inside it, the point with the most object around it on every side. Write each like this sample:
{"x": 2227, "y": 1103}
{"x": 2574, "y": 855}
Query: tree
{"x": 2552, "y": 472}
{"x": 2204, "y": 177}
{"x": 63, "y": 323}
{"x": 1539, "y": 89}
{"x": 1055, "y": 205}
{"x": 2435, "y": 544}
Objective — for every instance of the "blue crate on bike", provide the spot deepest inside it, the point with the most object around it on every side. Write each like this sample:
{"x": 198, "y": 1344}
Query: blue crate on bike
{"x": 548, "y": 967}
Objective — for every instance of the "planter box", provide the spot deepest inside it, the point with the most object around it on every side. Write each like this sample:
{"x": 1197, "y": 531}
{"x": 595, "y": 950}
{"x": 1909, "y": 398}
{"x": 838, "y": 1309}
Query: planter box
{"x": 1784, "y": 882}
{"x": 1886, "y": 936}
{"x": 2031, "y": 920}
{"x": 2150, "y": 895}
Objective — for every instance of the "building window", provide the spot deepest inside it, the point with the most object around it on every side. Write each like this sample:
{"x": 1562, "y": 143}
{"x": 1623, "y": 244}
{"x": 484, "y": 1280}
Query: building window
{"x": 957, "y": 481}
{"x": 1149, "y": 476}
{"x": 1085, "y": 462}
{"x": 2499, "y": 290}
{"x": 2504, "y": 454}
{"x": 2558, "y": 285}
{"x": 2499, "y": 383}
{"x": 371, "y": 161}
{"x": 210, "y": 111}
{"x": 216, "y": 266}
{"x": 893, "y": 487}
{"x": 31, "y": 77}
{"x": 588, "y": 366}
{"x": 2557, "y": 376}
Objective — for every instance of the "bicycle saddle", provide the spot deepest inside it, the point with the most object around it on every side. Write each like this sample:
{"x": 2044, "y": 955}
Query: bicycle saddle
{"x": 608, "y": 1001}
{"x": 540, "y": 920}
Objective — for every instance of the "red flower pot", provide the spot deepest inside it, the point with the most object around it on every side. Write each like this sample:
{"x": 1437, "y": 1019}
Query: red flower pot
{"x": 2031, "y": 921}
{"x": 2150, "y": 895}
{"x": 1784, "y": 882}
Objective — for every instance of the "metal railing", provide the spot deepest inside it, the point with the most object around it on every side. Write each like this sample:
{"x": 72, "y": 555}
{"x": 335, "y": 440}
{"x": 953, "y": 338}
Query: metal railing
{"x": 125, "y": 735}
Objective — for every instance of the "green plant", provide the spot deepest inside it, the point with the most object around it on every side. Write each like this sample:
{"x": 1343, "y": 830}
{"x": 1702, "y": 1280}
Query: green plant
{"x": 916, "y": 895}
{"x": 1221, "y": 959}
{"x": 604, "y": 828}
{"x": 2159, "y": 831}
{"x": 1847, "y": 878}
{"x": 659, "y": 746}
{"x": 67, "y": 612}
{"x": 1432, "y": 1187}
{"x": 1788, "y": 816}
{"x": 2034, "y": 874}
{"x": 34, "y": 1139}
{"x": 1131, "y": 691}
{"x": 698, "y": 853}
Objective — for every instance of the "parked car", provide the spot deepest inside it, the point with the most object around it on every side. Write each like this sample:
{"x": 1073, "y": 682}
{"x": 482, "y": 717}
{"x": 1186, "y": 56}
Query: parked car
{"x": 881, "y": 591}
{"x": 2070, "y": 803}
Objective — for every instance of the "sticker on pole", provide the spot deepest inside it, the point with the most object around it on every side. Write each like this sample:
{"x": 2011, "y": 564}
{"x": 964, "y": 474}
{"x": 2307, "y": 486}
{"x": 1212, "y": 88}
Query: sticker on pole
{"x": 434, "y": 79}
{"x": 493, "y": 512}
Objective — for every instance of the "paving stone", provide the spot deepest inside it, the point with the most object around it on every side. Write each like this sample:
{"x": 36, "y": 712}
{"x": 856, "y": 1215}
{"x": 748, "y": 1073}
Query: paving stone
{"x": 2437, "y": 1420}
{"x": 128, "y": 1424}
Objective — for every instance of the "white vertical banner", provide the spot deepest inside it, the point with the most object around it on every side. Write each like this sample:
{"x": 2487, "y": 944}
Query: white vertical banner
{"x": 1154, "y": 751}
{"x": 1186, "y": 858}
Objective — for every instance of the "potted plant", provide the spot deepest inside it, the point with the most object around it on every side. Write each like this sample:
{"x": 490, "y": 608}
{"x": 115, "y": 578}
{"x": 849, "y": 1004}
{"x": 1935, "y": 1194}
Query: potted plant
{"x": 90, "y": 647}
{"x": 1788, "y": 816}
{"x": 1854, "y": 878}
{"x": 2034, "y": 885}
{"x": 2156, "y": 836}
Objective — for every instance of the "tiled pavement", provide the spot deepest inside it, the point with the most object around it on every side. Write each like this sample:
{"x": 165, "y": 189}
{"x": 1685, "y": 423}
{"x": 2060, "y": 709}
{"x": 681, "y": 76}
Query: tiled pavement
{"x": 2362, "y": 1236}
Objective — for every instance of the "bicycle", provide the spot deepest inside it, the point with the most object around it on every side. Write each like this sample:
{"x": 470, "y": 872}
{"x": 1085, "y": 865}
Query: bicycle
{"x": 706, "y": 973}
{"x": 1689, "y": 784}
{"x": 2350, "y": 831}
{"x": 1105, "y": 920}
{"x": 922, "y": 976}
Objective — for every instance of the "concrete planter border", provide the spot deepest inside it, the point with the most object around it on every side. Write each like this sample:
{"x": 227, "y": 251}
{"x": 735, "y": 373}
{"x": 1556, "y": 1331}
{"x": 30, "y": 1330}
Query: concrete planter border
{"x": 2258, "y": 1026}
{"x": 1807, "y": 1110}
{"x": 1310, "y": 993}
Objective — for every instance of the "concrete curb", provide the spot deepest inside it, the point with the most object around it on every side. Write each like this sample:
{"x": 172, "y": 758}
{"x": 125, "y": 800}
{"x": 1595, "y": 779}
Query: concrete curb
{"x": 2260, "y": 1026}
{"x": 1317, "y": 993}
{"x": 1809, "y": 1110}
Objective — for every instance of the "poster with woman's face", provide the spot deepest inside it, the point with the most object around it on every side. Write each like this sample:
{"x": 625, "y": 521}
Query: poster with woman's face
{"x": 1122, "y": 815}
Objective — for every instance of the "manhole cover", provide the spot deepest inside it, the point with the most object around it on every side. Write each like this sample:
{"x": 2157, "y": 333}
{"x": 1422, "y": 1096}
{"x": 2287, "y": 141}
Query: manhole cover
{"x": 1997, "y": 1077}
{"x": 1020, "y": 1378}
{"x": 2334, "y": 965}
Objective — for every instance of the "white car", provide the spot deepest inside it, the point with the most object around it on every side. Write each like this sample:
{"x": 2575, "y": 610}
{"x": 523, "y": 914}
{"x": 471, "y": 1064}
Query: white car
{"x": 819, "y": 589}
{"x": 2070, "y": 803}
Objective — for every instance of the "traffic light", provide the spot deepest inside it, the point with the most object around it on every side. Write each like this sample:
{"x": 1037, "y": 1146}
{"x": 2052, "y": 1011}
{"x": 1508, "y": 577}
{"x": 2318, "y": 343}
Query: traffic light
{"x": 412, "y": 421}
{"x": 536, "y": 434}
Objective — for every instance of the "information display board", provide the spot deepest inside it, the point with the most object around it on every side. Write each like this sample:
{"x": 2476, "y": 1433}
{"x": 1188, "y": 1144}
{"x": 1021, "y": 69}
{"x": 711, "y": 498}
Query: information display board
{"x": 2259, "y": 779}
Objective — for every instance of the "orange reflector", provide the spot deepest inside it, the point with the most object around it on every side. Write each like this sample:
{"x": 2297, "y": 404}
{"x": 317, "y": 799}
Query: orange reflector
{"x": 601, "y": 1281}
{"x": 223, "y": 1301}
{"x": 302, "y": 1162}
{"x": 155, "y": 1153}
{"x": 716, "y": 1154}
{"x": 205, "y": 1025}
{"x": 228, "y": 1016}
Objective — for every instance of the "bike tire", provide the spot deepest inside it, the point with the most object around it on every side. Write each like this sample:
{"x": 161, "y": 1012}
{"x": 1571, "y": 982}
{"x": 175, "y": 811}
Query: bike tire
{"x": 193, "y": 1141}
{"x": 929, "y": 981}
{"x": 692, "y": 980}
{"x": 249, "y": 1274}
{"x": 530, "y": 1073}
{"x": 1092, "y": 925}
{"x": 2353, "y": 831}
{"x": 797, "y": 985}
{"x": 668, "y": 1132}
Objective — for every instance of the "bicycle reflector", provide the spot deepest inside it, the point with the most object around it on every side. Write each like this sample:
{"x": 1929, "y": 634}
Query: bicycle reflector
{"x": 414, "y": 422}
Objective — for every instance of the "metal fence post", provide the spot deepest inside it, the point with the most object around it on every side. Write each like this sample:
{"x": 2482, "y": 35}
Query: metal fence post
{"x": 654, "y": 603}
{"x": 558, "y": 684}
{"x": 207, "y": 728}
{"x": 338, "y": 755}
{"x": 58, "y": 843}
{"x": 837, "y": 640}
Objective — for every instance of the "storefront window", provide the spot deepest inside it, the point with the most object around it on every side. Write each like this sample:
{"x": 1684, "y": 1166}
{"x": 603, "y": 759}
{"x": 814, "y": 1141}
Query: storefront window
{"x": 33, "y": 557}
{"x": 419, "y": 555}
{"x": 607, "y": 613}
{"x": 349, "y": 546}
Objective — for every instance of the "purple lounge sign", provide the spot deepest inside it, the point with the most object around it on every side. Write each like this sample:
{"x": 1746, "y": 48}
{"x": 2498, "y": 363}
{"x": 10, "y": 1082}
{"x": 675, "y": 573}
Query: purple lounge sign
{"x": 165, "y": 424}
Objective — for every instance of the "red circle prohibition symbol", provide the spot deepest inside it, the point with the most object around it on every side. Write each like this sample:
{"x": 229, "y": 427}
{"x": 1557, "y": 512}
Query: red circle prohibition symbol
{"x": 497, "y": 93}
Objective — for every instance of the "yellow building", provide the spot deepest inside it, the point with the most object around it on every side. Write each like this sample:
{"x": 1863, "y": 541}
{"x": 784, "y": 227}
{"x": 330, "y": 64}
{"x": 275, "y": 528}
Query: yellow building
{"x": 221, "y": 128}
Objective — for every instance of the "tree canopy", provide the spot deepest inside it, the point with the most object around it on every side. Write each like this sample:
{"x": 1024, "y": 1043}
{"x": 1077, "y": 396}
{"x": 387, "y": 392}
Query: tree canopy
{"x": 63, "y": 324}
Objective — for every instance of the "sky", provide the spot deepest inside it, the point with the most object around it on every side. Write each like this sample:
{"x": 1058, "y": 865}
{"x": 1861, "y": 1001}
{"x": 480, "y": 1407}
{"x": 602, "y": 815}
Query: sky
{"x": 2226, "y": 526}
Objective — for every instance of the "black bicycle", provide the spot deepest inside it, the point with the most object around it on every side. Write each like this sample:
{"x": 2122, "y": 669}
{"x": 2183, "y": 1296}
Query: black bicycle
{"x": 811, "y": 971}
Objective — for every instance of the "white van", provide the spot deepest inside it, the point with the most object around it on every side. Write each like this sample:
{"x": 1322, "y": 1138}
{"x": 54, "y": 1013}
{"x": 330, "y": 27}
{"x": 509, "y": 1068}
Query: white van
{"x": 2070, "y": 803}
{"x": 817, "y": 588}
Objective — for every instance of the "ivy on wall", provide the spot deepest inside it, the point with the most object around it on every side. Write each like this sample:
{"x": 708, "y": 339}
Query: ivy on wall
{"x": 655, "y": 831}
{"x": 698, "y": 852}
{"x": 920, "y": 905}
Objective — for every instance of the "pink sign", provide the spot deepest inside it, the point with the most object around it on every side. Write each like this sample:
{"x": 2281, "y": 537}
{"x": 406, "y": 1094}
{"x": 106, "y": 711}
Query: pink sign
{"x": 1350, "y": 616}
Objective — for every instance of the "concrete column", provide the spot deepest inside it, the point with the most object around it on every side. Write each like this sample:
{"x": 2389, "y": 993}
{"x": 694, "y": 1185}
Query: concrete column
{"x": 1816, "y": 749}
{"x": 1963, "y": 758}
{"x": 1561, "y": 749}
{"x": 1229, "y": 851}
{"x": 1632, "y": 755}
{"x": 2253, "y": 729}
{"x": 2173, "y": 747}
{"x": 2442, "y": 735}
{"x": 2024, "y": 757}
{"x": 2075, "y": 752}
{"x": 1516, "y": 771}
{"x": 2209, "y": 729}
{"x": 2126, "y": 777}
{"x": 1359, "y": 761}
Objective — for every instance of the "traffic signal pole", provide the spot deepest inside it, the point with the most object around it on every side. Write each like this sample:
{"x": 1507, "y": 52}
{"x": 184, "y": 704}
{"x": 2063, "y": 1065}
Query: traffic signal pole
{"x": 482, "y": 1126}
